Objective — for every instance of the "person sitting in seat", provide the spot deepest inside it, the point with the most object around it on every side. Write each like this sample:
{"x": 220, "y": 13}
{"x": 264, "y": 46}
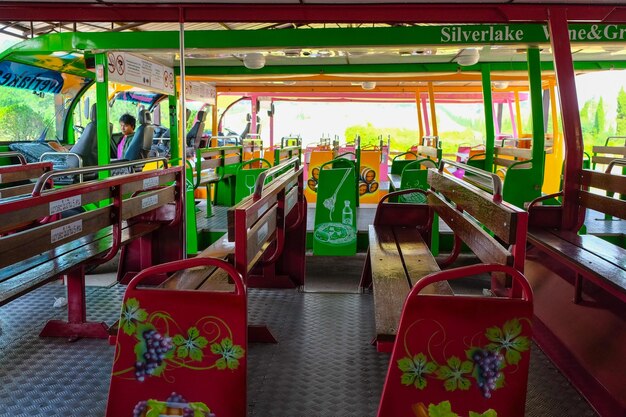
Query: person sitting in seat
{"x": 127, "y": 125}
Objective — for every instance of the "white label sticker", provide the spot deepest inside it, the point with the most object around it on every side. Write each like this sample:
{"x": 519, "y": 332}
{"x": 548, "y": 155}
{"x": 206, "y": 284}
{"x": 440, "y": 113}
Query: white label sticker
{"x": 65, "y": 204}
{"x": 151, "y": 182}
{"x": 262, "y": 233}
{"x": 66, "y": 231}
{"x": 149, "y": 201}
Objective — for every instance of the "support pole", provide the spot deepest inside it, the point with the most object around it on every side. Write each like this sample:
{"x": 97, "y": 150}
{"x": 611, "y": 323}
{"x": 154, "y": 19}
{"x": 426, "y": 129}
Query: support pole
{"x": 102, "y": 112}
{"x": 425, "y": 114}
{"x": 488, "y": 110}
{"x": 433, "y": 113}
{"x": 175, "y": 149}
{"x": 518, "y": 115}
{"x": 536, "y": 105}
{"x": 183, "y": 142}
{"x": 572, "y": 132}
{"x": 215, "y": 128}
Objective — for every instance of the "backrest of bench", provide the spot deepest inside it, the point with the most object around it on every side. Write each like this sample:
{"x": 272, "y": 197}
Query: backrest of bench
{"x": 612, "y": 185}
{"x": 467, "y": 209}
{"x": 284, "y": 154}
{"x": 120, "y": 198}
{"x": 12, "y": 174}
{"x": 212, "y": 158}
{"x": 523, "y": 153}
{"x": 605, "y": 154}
{"x": 252, "y": 223}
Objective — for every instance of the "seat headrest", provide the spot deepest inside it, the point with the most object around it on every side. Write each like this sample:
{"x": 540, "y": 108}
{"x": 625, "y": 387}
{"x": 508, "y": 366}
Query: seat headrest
{"x": 201, "y": 116}
{"x": 248, "y": 117}
{"x": 144, "y": 117}
{"x": 92, "y": 112}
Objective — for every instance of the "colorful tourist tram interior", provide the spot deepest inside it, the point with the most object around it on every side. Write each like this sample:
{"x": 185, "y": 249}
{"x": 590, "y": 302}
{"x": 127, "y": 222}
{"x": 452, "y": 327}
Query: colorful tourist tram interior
{"x": 204, "y": 264}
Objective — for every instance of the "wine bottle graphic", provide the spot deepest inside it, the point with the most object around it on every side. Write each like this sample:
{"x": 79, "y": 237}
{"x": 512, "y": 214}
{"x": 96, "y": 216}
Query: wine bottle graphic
{"x": 346, "y": 214}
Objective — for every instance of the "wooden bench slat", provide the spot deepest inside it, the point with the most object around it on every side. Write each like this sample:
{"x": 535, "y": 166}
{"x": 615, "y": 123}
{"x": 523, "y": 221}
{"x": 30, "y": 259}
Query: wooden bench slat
{"x": 259, "y": 235}
{"x": 146, "y": 202}
{"x": 161, "y": 180}
{"x": 603, "y": 160}
{"x": 426, "y": 150}
{"x": 24, "y": 189}
{"x": 501, "y": 219}
{"x": 418, "y": 260}
{"x": 504, "y": 162}
{"x": 605, "y": 250}
{"x": 390, "y": 283}
{"x": 611, "y": 150}
{"x": 15, "y": 218}
{"x": 23, "y": 245}
{"x": 603, "y": 181}
{"x": 484, "y": 246}
{"x": 607, "y": 205}
{"x": 596, "y": 268}
{"x": 24, "y": 172}
{"x": 25, "y": 276}
{"x": 525, "y": 153}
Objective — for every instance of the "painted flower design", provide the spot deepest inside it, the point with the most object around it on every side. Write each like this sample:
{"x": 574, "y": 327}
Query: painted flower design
{"x": 131, "y": 316}
{"x": 230, "y": 354}
{"x": 191, "y": 346}
{"x": 415, "y": 369}
{"x": 508, "y": 338}
{"x": 453, "y": 374}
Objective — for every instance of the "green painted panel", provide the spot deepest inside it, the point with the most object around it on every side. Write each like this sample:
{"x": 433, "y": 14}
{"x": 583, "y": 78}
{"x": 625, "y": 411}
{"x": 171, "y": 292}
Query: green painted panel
{"x": 335, "y": 213}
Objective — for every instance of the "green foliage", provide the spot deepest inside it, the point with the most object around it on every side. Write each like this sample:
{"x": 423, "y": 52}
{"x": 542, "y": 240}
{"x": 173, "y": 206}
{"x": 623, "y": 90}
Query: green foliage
{"x": 593, "y": 123}
{"x": 20, "y": 122}
{"x": 621, "y": 113}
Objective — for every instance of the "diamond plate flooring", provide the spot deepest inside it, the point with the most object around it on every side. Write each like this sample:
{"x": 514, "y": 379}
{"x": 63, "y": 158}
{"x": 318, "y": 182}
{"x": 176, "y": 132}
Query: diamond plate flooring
{"x": 323, "y": 366}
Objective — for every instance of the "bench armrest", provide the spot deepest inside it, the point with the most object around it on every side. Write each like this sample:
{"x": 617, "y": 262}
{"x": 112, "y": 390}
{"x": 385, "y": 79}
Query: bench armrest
{"x": 186, "y": 264}
{"x": 543, "y": 198}
{"x": 465, "y": 271}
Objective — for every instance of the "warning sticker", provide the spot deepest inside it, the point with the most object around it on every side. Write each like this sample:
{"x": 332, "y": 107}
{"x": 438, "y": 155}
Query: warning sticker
{"x": 150, "y": 201}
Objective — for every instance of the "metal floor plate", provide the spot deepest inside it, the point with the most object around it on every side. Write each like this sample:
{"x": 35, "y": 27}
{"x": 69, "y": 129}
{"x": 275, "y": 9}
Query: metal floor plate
{"x": 324, "y": 365}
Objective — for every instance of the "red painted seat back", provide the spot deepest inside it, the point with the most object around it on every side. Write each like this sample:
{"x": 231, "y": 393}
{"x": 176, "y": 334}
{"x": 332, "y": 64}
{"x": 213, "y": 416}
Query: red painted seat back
{"x": 202, "y": 336}
{"x": 450, "y": 349}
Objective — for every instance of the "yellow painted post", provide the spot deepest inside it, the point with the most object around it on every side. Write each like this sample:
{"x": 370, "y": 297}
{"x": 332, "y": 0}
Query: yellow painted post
{"x": 215, "y": 127}
{"x": 418, "y": 103}
{"x": 554, "y": 160}
{"x": 433, "y": 115}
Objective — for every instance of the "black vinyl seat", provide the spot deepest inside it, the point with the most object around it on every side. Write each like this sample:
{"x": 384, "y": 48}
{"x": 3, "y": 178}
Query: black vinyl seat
{"x": 141, "y": 142}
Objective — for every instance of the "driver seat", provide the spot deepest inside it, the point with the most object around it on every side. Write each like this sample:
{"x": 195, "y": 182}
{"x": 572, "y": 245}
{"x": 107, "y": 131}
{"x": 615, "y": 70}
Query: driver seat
{"x": 141, "y": 142}
{"x": 87, "y": 145}
{"x": 194, "y": 137}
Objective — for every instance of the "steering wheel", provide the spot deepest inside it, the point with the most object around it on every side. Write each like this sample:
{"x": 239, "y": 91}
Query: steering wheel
{"x": 79, "y": 129}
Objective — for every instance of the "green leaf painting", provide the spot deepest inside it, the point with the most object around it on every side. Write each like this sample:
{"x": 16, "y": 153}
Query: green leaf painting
{"x": 443, "y": 409}
{"x": 131, "y": 316}
{"x": 415, "y": 369}
{"x": 191, "y": 346}
{"x": 509, "y": 339}
{"x": 453, "y": 373}
{"x": 230, "y": 354}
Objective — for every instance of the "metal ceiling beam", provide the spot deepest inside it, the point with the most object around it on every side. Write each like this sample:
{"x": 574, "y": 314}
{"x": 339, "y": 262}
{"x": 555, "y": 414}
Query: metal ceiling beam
{"x": 308, "y": 13}
{"x": 129, "y": 26}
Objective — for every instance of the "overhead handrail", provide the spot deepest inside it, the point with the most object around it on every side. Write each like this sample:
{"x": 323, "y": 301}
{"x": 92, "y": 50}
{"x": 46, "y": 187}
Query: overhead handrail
{"x": 15, "y": 155}
{"x": 260, "y": 181}
{"x": 86, "y": 170}
{"x": 497, "y": 182}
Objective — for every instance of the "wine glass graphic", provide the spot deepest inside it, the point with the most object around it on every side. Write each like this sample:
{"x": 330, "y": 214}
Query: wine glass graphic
{"x": 250, "y": 181}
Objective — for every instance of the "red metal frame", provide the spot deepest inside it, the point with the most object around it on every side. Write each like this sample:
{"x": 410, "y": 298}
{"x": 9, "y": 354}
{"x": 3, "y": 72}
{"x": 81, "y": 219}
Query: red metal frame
{"x": 439, "y": 332}
{"x": 77, "y": 326}
{"x": 308, "y": 13}
{"x": 208, "y": 334}
{"x": 572, "y": 131}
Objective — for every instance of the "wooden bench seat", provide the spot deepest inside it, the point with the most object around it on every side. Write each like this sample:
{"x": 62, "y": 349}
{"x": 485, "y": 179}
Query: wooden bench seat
{"x": 592, "y": 257}
{"x": 399, "y": 256}
{"x": 129, "y": 210}
{"x": 23, "y": 277}
{"x": 18, "y": 180}
{"x": 589, "y": 256}
{"x": 399, "y": 259}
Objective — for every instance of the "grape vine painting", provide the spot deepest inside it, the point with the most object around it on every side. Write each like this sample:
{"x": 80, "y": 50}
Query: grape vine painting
{"x": 161, "y": 344}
